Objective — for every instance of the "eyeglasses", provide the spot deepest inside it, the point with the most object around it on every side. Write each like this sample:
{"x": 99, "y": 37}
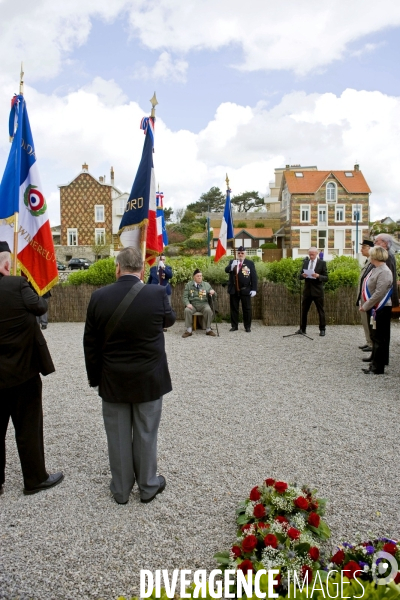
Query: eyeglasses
{"x": 240, "y": 252}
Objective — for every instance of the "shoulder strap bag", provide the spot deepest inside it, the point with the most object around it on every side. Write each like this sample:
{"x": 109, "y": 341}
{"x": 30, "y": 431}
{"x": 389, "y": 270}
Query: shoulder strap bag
{"x": 121, "y": 310}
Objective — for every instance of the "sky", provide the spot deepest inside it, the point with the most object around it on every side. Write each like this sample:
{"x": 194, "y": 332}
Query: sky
{"x": 243, "y": 88}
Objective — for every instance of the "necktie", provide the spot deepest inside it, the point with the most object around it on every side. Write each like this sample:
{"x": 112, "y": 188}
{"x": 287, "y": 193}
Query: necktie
{"x": 240, "y": 266}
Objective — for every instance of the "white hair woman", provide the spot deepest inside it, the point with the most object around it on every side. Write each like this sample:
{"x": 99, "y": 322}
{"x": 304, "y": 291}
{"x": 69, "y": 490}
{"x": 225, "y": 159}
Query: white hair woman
{"x": 376, "y": 300}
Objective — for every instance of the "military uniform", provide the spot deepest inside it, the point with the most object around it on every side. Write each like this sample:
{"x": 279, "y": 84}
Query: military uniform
{"x": 197, "y": 295}
{"x": 247, "y": 284}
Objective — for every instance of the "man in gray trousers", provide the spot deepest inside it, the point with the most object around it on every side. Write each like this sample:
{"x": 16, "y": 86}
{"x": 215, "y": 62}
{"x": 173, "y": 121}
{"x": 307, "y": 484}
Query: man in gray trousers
{"x": 125, "y": 358}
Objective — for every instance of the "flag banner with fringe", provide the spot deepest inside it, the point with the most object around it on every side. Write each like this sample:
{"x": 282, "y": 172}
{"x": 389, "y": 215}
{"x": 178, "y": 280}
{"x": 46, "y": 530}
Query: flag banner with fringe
{"x": 161, "y": 229}
{"x": 21, "y": 192}
{"x": 226, "y": 233}
{"x": 140, "y": 210}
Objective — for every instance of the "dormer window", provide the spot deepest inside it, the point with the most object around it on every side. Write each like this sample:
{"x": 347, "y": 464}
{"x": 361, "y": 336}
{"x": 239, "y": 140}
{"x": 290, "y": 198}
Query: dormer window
{"x": 331, "y": 192}
{"x": 348, "y": 174}
{"x": 298, "y": 174}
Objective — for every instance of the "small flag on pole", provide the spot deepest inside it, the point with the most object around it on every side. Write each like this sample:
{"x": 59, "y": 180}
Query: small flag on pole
{"x": 226, "y": 233}
{"x": 21, "y": 192}
{"x": 162, "y": 231}
{"x": 139, "y": 220}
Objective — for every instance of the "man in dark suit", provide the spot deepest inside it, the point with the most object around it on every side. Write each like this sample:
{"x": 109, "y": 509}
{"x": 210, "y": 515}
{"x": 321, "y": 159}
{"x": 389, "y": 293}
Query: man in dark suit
{"x": 366, "y": 245}
{"x": 313, "y": 289}
{"x": 128, "y": 364}
{"x": 160, "y": 274}
{"x": 242, "y": 287}
{"x": 23, "y": 355}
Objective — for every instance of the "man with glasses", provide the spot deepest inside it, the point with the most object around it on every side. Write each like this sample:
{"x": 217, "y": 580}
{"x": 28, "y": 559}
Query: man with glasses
{"x": 242, "y": 288}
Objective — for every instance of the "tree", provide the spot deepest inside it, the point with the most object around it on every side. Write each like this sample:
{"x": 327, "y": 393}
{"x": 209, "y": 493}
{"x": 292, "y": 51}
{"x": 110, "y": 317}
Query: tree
{"x": 214, "y": 200}
{"x": 168, "y": 212}
{"x": 189, "y": 216}
{"x": 179, "y": 214}
{"x": 246, "y": 201}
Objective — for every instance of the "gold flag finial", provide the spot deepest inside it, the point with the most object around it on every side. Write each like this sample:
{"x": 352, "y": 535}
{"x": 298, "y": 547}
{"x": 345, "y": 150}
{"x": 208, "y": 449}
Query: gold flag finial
{"x": 227, "y": 181}
{"x": 153, "y": 104}
{"x": 21, "y": 80}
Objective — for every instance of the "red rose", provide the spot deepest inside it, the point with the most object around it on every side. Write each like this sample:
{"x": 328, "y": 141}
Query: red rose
{"x": 281, "y": 487}
{"x": 246, "y": 527}
{"x": 397, "y": 578}
{"x": 305, "y": 569}
{"x": 351, "y": 569}
{"x": 269, "y": 482}
{"x": 314, "y": 519}
{"x": 293, "y": 533}
{"x": 338, "y": 558}
{"x": 314, "y": 505}
{"x": 263, "y": 525}
{"x": 301, "y": 502}
{"x": 246, "y": 566}
{"x": 249, "y": 543}
{"x": 271, "y": 540}
{"x": 255, "y": 494}
{"x": 259, "y": 511}
{"x": 314, "y": 553}
{"x": 236, "y": 551}
{"x": 390, "y": 548}
{"x": 282, "y": 520}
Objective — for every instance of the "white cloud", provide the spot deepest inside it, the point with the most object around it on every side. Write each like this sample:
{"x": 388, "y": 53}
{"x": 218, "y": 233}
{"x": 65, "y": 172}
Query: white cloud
{"x": 332, "y": 132}
{"x": 367, "y": 49}
{"x": 165, "y": 69}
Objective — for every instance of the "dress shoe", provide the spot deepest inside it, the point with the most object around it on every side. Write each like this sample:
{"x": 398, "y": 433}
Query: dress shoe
{"x": 187, "y": 334}
{"x": 165, "y": 329}
{"x": 248, "y": 330}
{"x": 120, "y": 502}
{"x": 362, "y": 347}
{"x": 301, "y": 331}
{"x": 211, "y": 333}
{"x": 51, "y": 481}
{"x": 367, "y": 349}
{"x": 160, "y": 490}
{"x": 44, "y": 326}
{"x": 367, "y": 359}
{"x": 233, "y": 329}
{"x": 373, "y": 372}
{"x": 1, "y": 490}
{"x": 322, "y": 333}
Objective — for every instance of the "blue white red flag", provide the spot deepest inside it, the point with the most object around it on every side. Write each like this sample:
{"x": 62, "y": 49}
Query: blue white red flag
{"x": 226, "y": 233}
{"x": 140, "y": 211}
{"x": 21, "y": 192}
{"x": 161, "y": 229}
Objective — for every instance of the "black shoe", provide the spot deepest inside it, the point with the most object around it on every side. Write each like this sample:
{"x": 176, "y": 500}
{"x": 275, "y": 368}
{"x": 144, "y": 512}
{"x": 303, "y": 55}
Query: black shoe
{"x": 373, "y": 372}
{"x": 1, "y": 490}
{"x": 301, "y": 331}
{"x": 44, "y": 326}
{"x": 367, "y": 359}
{"x": 367, "y": 349}
{"x": 160, "y": 490}
{"x": 165, "y": 329}
{"x": 120, "y": 502}
{"x": 233, "y": 329}
{"x": 248, "y": 330}
{"x": 51, "y": 481}
{"x": 322, "y": 333}
{"x": 362, "y": 347}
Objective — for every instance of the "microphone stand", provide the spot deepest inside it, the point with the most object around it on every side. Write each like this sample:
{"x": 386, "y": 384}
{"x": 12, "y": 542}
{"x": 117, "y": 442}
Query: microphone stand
{"x": 299, "y": 332}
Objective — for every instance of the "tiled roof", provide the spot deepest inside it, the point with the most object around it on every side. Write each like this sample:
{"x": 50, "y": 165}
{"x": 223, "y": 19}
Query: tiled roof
{"x": 312, "y": 181}
{"x": 255, "y": 232}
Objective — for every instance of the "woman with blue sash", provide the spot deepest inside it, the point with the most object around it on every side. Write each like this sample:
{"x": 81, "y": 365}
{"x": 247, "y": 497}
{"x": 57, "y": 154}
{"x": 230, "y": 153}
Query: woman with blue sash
{"x": 376, "y": 300}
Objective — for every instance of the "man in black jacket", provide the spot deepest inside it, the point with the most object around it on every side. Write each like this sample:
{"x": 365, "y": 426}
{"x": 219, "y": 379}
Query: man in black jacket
{"x": 242, "y": 287}
{"x": 129, "y": 366}
{"x": 23, "y": 355}
{"x": 313, "y": 289}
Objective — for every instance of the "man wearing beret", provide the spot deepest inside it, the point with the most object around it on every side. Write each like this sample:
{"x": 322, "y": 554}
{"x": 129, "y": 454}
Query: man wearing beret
{"x": 242, "y": 288}
{"x": 23, "y": 355}
{"x": 367, "y": 267}
{"x": 195, "y": 299}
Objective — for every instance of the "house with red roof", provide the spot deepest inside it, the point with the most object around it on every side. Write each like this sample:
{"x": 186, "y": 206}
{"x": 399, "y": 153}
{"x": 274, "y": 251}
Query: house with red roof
{"x": 326, "y": 209}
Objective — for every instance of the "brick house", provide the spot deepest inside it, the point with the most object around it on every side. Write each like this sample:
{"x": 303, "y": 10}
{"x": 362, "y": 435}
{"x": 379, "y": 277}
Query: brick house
{"x": 90, "y": 211}
{"x": 326, "y": 209}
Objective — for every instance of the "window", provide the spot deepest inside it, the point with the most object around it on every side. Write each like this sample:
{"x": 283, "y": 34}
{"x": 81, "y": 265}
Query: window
{"x": 261, "y": 242}
{"x": 298, "y": 174}
{"x": 357, "y": 212}
{"x": 304, "y": 213}
{"x": 72, "y": 235}
{"x": 349, "y": 174}
{"x": 238, "y": 242}
{"x": 305, "y": 240}
{"x": 99, "y": 213}
{"x": 121, "y": 206}
{"x": 340, "y": 213}
{"x": 322, "y": 214}
{"x": 321, "y": 239}
{"x": 100, "y": 237}
{"x": 247, "y": 243}
{"x": 331, "y": 192}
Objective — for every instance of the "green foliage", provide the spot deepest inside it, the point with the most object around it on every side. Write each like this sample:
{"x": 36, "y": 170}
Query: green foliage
{"x": 343, "y": 271}
{"x": 259, "y": 225}
{"x": 183, "y": 268}
{"x": 269, "y": 246}
{"x": 242, "y": 224}
{"x": 168, "y": 212}
{"x": 397, "y": 257}
{"x": 214, "y": 200}
{"x": 188, "y": 217}
{"x": 195, "y": 243}
{"x": 246, "y": 201}
{"x": 187, "y": 229}
{"x": 286, "y": 271}
{"x": 101, "y": 272}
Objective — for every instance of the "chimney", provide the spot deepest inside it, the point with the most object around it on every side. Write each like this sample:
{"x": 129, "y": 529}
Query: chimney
{"x": 287, "y": 167}
{"x": 112, "y": 175}
{"x": 85, "y": 167}
{"x": 356, "y": 167}
{"x": 101, "y": 179}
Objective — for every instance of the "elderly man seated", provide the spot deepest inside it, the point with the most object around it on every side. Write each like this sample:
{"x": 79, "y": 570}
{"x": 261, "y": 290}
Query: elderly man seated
{"x": 195, "y": 299}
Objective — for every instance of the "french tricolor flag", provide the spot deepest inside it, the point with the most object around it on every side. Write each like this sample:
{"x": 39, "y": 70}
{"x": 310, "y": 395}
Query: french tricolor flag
{"x": 21, "y": 193}
{"x": 226, "y": 233}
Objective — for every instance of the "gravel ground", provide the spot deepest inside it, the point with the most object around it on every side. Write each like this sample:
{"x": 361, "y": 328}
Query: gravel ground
{"x": 244, "y": 407}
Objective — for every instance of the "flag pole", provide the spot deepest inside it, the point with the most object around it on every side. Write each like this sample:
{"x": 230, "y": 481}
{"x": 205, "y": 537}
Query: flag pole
{"x": 143, "y": 234}
{"x": 15, "y": 248}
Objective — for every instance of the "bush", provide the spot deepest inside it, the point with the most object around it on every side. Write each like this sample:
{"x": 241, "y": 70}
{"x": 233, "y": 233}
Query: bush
{"x": 242, "y": 224}
{"x": 259, "y": 225}
{"x": 269, "y": 246}
{"x": 285, "y": 271}
{"x": 101, "y": 272}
